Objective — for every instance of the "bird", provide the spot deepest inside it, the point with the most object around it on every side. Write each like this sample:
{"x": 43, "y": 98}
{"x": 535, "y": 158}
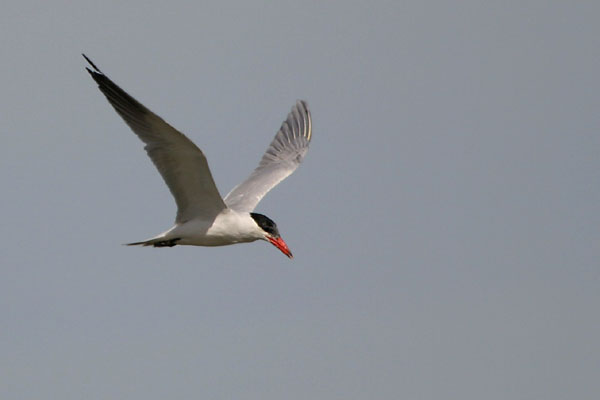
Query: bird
{"x": 204, "y": 218}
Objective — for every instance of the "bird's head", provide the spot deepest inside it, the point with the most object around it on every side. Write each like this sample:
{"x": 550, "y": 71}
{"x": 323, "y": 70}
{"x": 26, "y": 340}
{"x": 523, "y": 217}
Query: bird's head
{"x": 271, "y": 233}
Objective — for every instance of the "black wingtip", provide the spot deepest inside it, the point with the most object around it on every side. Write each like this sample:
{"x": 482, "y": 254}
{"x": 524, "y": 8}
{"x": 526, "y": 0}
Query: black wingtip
{"x": 97, "y": 70}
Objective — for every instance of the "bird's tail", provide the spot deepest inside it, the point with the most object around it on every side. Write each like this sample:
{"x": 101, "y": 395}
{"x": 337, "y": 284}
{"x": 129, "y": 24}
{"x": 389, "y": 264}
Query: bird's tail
{"x": 144, "y": 243}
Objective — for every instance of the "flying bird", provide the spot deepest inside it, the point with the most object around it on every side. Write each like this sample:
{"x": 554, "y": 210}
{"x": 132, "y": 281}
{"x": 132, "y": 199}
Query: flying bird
{"x": 203, "y": 217}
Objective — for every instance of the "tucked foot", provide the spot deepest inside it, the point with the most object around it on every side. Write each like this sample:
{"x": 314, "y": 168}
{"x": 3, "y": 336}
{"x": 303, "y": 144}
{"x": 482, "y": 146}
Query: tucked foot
{"x": 166, "y": 243}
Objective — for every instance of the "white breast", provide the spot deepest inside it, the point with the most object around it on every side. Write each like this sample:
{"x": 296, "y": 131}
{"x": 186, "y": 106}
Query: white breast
{"x": 229, "y": 227}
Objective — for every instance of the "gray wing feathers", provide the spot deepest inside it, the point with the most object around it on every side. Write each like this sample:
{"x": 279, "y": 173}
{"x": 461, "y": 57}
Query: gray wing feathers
{"x": 284, "y": 155}
{"x": 181, "y": 163}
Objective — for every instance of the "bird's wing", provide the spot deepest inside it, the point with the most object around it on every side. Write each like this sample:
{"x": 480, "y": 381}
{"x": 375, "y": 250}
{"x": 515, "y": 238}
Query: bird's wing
{"x": 181, "y": 163}
{"x": 284, "y": 155}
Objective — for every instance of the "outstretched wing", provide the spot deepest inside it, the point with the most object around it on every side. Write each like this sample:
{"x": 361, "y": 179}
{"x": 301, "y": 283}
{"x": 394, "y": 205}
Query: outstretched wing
{"x": 284, "y": 155}
{"x": 181, "y": 163}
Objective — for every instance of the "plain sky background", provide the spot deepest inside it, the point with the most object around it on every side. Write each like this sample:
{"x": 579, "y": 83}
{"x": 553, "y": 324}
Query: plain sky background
{"x": 445, "y": 222}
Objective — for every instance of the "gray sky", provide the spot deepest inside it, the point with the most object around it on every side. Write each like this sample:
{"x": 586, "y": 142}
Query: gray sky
{"x": 445, "y": 223}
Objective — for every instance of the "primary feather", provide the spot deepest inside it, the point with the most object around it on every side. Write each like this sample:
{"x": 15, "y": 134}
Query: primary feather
{"x": 181, "y": 163}
{"x": 284, "y": 155}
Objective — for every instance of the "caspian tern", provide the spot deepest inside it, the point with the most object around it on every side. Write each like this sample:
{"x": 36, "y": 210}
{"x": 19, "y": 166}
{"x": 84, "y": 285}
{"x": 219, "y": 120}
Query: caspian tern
{"x": 203, "y": 217}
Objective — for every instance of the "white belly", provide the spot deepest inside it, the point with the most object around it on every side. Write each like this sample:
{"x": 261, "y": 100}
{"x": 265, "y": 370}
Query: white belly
{"x": 228, "y": 228}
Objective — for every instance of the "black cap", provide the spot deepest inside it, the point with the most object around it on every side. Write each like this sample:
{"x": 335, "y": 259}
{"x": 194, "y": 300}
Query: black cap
{"x": 266, "y": 224}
